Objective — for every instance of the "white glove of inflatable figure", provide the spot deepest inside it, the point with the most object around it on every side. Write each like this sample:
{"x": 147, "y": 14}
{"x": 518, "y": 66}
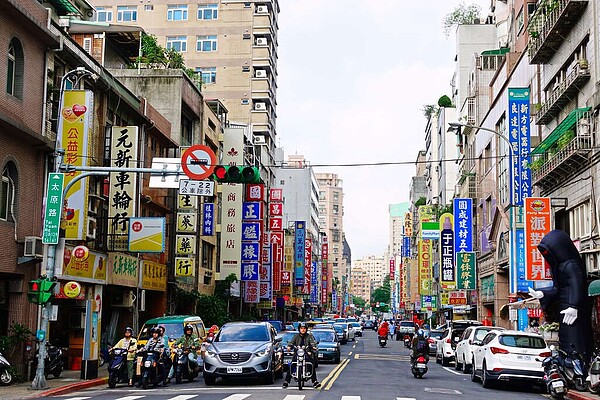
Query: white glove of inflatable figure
{"x": 536, "y": 294}
{"x": 570, "y": 315}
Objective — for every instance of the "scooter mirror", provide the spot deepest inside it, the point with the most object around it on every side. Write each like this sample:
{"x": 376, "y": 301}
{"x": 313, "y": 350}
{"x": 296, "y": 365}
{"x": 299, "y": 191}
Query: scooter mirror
{"x": 552, "y": 347}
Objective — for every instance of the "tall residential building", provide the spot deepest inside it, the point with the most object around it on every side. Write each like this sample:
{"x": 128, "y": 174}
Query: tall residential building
{"x": 231, "y": 44}
{"x": 331, "y": 212}
{"x": 361, "y": 284}
{"x": 375, "y": 267}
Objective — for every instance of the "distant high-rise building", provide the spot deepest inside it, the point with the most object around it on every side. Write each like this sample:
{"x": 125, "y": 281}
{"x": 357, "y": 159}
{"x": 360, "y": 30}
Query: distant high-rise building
{"x": 376, "y": 268}
{"x": 361, "y": 284}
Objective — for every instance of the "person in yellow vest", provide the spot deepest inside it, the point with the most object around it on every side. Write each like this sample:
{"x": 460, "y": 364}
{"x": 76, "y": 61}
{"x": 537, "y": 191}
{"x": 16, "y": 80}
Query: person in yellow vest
{"x": 130, "y": 344}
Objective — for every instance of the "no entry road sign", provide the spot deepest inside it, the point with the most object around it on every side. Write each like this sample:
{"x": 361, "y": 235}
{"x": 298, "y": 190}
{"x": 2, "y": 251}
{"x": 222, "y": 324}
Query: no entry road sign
{"x": 198, "y": 162}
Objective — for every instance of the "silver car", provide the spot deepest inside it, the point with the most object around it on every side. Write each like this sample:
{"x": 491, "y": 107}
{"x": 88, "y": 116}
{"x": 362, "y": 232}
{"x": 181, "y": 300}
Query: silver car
{"x": 243, "y": 349}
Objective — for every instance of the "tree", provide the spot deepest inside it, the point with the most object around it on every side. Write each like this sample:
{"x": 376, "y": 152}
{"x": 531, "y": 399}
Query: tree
{"x": 445, "y": 102}
{"x": 382, "y": 295}
{"x": 429, "y": 110}
{"x": 359, "y": 301}
{"x": 461, "y": 15}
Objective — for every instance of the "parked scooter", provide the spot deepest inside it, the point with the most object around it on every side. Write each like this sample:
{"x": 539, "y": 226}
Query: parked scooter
{"x": 117, "y": 367}
{"x": 6, "y": 378}
{"x": 419, "y": 366}
{"x": 53, "y": 363}
{"x": 152, "y": 371}
{"x": 302, "y": 369}
{"x": 382, "y": 341}
{"x": 184, "y": 367}
{"x": 572, "y": 368}
{"x": 593, "y": 379}
{"x": 556, "y": 385}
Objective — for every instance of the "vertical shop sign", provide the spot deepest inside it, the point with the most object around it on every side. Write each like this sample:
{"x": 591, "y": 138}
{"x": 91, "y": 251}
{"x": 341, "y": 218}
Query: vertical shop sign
{"x": 519, "y": 138}
{"x": 447, "y": 265}
{"x": 537, "y": 225}
{"x": 307, "y": 266}
{"x": 299, "y": 253}
{"x": 463, "y": 225}
{"x": 324, "y": 270}
{"x": 424, "y": 266}
{"x": 392, "y": 269}
{"x": 208, "y": 219}
{"x": 466, "y": 270}
{"x": 251, "y": 292}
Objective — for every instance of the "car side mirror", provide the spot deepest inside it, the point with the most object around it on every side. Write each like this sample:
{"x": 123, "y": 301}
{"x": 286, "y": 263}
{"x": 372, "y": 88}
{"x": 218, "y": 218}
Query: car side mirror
{"x": 210, "y": 339}
{"x": 278, "y": 340}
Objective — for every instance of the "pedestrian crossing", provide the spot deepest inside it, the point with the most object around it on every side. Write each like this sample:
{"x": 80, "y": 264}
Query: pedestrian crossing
{"x": 237, "y": 396}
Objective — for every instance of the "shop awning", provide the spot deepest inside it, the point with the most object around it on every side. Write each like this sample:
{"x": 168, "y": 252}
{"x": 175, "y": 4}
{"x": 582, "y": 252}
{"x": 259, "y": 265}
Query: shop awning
{"x": 594, "y": 288}
{"x": 564, "y": 126}
{"x": 64, "y": 7}
{"x": 495, "y": 52}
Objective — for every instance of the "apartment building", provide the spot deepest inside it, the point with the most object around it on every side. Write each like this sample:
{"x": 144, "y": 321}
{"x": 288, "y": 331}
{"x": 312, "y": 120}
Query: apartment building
{"x": 376, "y": 268}
{"x": 232, "y": 45}
{"x": 361, "y": 283}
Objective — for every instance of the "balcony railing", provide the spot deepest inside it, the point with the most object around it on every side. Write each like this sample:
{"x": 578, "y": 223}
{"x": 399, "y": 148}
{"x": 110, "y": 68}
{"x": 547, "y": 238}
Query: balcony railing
{"x": 562, "y": 165}
{"x": 549, "y": 25}
{"x": 562, "y": 94}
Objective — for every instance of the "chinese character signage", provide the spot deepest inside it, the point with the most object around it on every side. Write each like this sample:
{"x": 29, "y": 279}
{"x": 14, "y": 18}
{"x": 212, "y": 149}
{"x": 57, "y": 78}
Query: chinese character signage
{"x": 185, "y": 244}
{"x": 255, "y": 192}
{"x": 447, "y": 270}
{"x": 408, "y": 231}
{"x": 54, "y": 203}
{"x": 457, "y": 298}
{"x": 250, "y": 231}
{"x": 517, "y": 273}
{"x": 123, "y": 190}
{"x": 252, "y": 210}
{"x": 250, "y": 271}
{"x": 406, "y": 246}
{"x": 251, "y": 292}
{"x": 276, "y": 209}
{"x": 208, "y": 219}
{"x": 537, "y": 225}
{"x": 392, "y": 269}
{"x": 299, "y": 253}
{"x": 465, "y": 262}
{"x": 463, "y": 225}
{"x": 154, "y": 276}
{"x": 185, "y": 266}
{"x": 424, "y": 266}
{"x": 92, "y": 269}
{"x": 276, "y": 195}
{"x": 186, "y": 222}
{"x": 122, "y": 270}
{"x": 519, "y": 138}
{"x": 74, "y": 132}
{"x": 250, "y": 251}
{"x": 307, "y": 266}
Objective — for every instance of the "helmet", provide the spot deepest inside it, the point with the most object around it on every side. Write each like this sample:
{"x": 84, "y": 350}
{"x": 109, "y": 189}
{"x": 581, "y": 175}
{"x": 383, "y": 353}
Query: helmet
{"x": 188, "y": 327}
{"x": 302, "y": 325}
{"x": 128, "y": 329}
{"x": 421, "y": 333}
{"x": 162, "y": 328}
{"x": 154, "y": 330}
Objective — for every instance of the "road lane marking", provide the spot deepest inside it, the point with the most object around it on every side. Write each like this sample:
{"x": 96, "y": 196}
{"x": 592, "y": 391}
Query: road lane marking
{"x": 382, "y": 357}
{"x": 294, "y": 397}
{"x": 337, "y": 374}
{"x": 451, "y": 370}
{"x": 350, "y": 398}
{"x": 191, "y": 396}
{"x": 237, "y": 397}
{"x": 332, "y": 373}
{"x": 350, "y": 353}
{"x": 356, "y": 356}
{"x": 442, "y": 390}
{"x": 134, "y": 397}
{"x": 405, "y": 398}
{"x": 78, "y": 398}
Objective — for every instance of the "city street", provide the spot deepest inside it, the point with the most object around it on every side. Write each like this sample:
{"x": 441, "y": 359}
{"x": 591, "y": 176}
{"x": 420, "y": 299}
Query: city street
{"x": 366, "y": 372}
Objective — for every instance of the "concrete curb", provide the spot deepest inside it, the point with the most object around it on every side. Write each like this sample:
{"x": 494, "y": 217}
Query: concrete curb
{"x": 575, "y": 395}
{"x": 73, "y": 387}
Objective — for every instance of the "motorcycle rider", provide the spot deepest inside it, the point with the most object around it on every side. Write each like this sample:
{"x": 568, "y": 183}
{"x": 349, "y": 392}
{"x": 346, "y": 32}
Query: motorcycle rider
{"x": 156, "y": 343}
{"x": 166, "y": 355}
{"x": 383, "y": 329}
{"x": 303, "y": 338}
{"x": 188, "y": 341}
{"x": 419, "y": 345}
{"x": 129, "y": 343}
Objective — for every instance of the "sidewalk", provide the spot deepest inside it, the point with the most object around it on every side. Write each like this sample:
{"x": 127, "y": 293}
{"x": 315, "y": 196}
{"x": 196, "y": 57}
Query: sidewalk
{"x": 575, "y": 395}
{"x": 67, "y": 383}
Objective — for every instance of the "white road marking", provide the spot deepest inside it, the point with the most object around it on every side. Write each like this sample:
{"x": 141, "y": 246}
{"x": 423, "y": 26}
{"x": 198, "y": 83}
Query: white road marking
{"x": 405, "y": 398}
{"x": 131, "y": 397}
{"x": 78, "y": 398}
{"x": 188, "y": 396}
{"x": 237, "y": 397}
{"x": 350, "y": 353}
{"x": 453, "y": 371}
{"x": 350, "y": 398}
{"x": 294, "y": 397}
{"x": 442, "y": 391}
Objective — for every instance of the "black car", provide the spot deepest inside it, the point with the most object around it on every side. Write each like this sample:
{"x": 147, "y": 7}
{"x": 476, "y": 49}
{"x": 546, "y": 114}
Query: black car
{"x": 328, "y": 345}
{"x": 368, "y": 324}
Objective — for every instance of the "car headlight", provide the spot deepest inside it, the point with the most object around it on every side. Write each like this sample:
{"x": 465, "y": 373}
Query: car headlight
{"x": 211, "y": 353}
{"x": 263, "y": 352}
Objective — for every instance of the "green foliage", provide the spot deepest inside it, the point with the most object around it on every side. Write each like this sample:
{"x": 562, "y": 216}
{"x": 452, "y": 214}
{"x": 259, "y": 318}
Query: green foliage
{"x": 222, "y": 287}
{"x": 212, "y": 309}
{"x": 12, "y": 343}
{"x": 536, "y": 164}
{"x": 359, "y": 301}
{"x": 445, "y": 102}
{"x": 382, "y": 294}
{"x": 421, "y": 202}
{"x": 429, "y": 110}
{"x": 565, "y": 139}
{"x": 461, "y": 15}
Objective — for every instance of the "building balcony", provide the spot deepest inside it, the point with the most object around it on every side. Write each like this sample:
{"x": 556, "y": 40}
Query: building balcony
{"x": 564, "y": 153}
{"x": 549, "y": 26}
{"x": 562, "y": 93}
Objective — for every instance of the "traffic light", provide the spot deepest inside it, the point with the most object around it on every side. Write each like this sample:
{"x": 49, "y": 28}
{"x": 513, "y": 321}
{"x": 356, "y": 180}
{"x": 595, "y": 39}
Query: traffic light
{"x": 40, "y": 291}
{"x": 236, "y": 174}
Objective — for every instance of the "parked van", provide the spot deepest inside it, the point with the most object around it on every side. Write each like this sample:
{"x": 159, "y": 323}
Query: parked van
{"x": 173, "y": 327}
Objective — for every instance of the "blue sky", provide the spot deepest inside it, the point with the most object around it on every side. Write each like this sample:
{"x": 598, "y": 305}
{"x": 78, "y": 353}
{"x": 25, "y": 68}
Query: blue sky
{"x": 353, "y": 77}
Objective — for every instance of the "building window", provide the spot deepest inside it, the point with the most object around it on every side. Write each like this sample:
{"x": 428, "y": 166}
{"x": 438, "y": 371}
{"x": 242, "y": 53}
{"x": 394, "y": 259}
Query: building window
{"x": 177, "y": 43}
{"x": 148, "y": 7}
{"x": 206, "y": 43}
{"x": 104, "y": 14}
{"x": 208, "y": 74}
{"x": 126, "y": 13}
{"x": 336, "y": 196}
{"x": 187, "y": 131}
{"x": 208, "y": 11}
{"x": 580, "y": 221}
{"x": 7, "y": 193}
{"x": 15, "y": 68}
{"x": 177, "y": 12}
{"x": 336, "y": 209}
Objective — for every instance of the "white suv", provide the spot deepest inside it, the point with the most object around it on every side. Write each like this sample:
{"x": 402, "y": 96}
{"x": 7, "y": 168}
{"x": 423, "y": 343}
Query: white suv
{"x": 464, "y": 349}
{"x": 447, "y": 343}
{"x": 509, "y": 356}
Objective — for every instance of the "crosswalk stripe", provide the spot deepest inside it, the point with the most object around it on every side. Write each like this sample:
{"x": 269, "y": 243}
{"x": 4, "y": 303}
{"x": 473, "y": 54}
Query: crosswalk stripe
{"x": 237, "y": 397}
{"x": 186, "y": 397}
{"x": 78, "y": 398}
{"x": 350, "y": 397}
{"x": 127, "y": 398}
{"x": 294, "y": 397}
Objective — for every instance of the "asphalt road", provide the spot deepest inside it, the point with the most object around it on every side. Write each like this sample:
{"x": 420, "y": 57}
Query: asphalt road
{"x": 367, "y": 371}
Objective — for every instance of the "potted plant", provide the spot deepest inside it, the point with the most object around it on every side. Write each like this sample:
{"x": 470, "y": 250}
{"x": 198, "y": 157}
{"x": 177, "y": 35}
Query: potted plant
{"x": 565, "y": 139}
{"x": 549, "y": 331}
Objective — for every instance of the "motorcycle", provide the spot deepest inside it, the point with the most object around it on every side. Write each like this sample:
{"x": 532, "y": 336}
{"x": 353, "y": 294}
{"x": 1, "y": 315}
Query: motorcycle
{"x": 184, "y": 368}
{"x": 572, "y": 368}
{"x": 556, "y": 385}
{"x": 302, "y": 369}
{"x": 419, "y": 366}
{"x": 117, "y": 367}
{"x": 593, "y": 379}
{"x": 53, "y": 363}
{"x": 6, "y": 376}
{"x": 407, "y": 341}
{"x": 151, "y": 371}
{"x": 382, "y": 341}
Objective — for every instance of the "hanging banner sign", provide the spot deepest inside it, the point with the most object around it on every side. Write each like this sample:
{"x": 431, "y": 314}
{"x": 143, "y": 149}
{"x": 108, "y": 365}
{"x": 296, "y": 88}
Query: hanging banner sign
{"x": 537, "y": 225}
{"x": 185, "y": 266}
{"x": 251, "y": 291}
{"x": 307, "y": 266}
{"x": 299, "y": 253}
{"x": 424, "y": 266}
{"x": 520, "y": 142}
{"x": 463, "y": 225}
{"x": 392, "y": 269}
{"x": 465, "y": 261}
{"x": 208, "y": 219}
{"x": 447, "y": 266}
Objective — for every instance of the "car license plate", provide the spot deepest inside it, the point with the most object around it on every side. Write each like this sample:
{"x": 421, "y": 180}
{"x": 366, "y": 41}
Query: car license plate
{"x": 524, "y": 358}
{"x": 234, "y": 370}
{"x": 421, "y": 365}
{"x": 558, "y": 384}
{"x": 147, "y": 364}
{"x": 320, "y": 355}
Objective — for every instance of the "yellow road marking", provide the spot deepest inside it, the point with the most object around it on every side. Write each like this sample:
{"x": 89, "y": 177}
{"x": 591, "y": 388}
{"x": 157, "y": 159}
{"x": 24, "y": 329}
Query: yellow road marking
{"x": 337, "y": 374}
{"x": 333, "y": 371}
{"x": 356, "y": 356}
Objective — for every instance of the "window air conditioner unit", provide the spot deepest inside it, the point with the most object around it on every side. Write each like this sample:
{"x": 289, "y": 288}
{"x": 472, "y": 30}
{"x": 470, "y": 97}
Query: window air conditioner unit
{"x": 127, "y": 300}
{"x": 259, "y": 139}
{"x": 260, "y": 73}
{"x": 261, "y": 41}
{"x": 33, "y": 247}
{"x": 260, "y": 106}
{"x": 262, "y": 9}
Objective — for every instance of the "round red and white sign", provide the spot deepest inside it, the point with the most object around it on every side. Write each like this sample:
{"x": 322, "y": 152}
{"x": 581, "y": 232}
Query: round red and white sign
{"x": 198, "y": 162}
